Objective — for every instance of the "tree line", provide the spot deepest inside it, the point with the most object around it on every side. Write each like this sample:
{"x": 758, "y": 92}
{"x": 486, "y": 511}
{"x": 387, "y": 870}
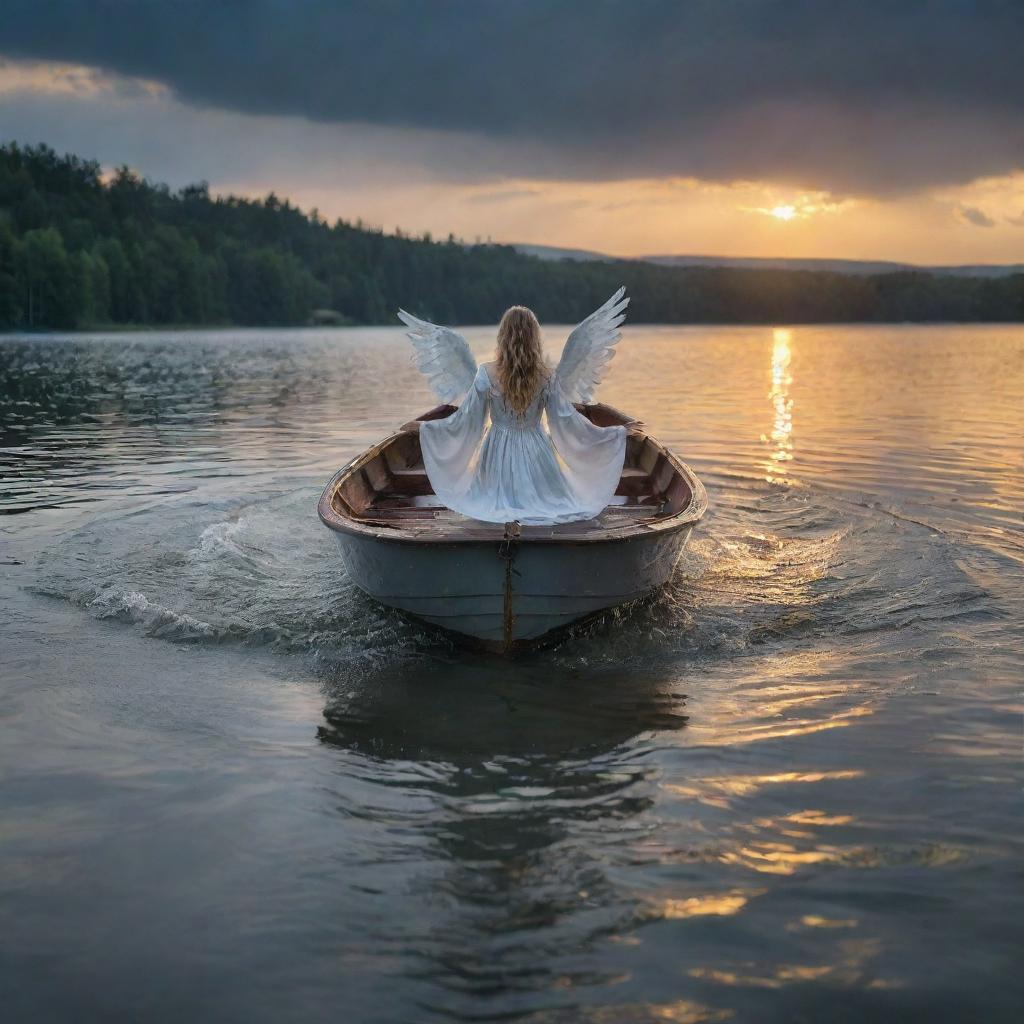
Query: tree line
{"x": 79, "y": 249}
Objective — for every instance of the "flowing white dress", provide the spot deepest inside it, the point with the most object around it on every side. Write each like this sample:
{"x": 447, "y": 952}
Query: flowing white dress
{"x": 522, "y": 471}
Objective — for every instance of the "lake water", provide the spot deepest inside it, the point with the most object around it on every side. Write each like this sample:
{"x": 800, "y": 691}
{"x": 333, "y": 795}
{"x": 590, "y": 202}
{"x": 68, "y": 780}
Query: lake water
{"x": 787, "y": 789}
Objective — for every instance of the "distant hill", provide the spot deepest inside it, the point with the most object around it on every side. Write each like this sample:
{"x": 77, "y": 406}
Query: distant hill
{"x": 546, "y": 252}
{"x": 551, "y": 252}
{"x": 837, "y": 266}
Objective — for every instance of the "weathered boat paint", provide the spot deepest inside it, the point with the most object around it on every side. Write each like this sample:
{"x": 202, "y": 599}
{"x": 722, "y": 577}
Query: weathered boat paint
{"x": 461, "y": 587}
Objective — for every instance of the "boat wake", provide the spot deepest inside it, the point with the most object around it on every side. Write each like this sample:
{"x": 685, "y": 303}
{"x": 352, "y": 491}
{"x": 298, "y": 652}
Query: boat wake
{"x": 260, "y": 573}
{"x": 771, "y": 569}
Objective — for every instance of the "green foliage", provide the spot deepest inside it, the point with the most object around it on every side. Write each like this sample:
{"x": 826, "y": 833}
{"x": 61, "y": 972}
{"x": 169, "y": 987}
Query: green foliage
{"x": 76, "y": 250}
{"x": 10, "y": 289}
{"x": 51, "y": 282}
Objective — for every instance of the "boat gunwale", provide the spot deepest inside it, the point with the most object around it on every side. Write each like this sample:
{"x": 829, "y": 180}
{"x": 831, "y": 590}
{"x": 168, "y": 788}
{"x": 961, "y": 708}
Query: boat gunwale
{"x": 468, "y": 534}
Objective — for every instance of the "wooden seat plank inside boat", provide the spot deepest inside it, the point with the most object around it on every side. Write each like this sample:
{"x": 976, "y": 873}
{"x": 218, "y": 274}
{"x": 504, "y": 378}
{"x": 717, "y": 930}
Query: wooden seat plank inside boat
{"x": 389, "y": 489}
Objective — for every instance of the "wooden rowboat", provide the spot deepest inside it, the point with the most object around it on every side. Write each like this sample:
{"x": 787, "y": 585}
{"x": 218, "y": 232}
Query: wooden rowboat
{"x": 507, "y": 587}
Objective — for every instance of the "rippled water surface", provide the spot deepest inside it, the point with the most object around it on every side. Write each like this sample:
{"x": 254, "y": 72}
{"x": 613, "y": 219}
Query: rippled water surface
{"x": 786, "y": 789}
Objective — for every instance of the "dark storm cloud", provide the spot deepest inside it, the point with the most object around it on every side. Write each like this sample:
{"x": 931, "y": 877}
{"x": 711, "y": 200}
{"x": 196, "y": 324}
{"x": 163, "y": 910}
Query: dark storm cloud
{"x": 851, "y": 95}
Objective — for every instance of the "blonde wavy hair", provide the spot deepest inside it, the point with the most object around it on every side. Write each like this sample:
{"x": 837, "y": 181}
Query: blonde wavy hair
{"x": 520, "y": 358}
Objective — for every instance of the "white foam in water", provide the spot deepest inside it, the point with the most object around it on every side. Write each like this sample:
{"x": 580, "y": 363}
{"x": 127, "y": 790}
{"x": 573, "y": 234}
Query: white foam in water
{"x": 131, "y": 606}
{"x": 218, "y": 536}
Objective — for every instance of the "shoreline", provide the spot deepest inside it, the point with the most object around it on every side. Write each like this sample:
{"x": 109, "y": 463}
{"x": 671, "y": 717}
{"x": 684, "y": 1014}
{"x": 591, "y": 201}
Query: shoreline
{"x": 213, "y": 328}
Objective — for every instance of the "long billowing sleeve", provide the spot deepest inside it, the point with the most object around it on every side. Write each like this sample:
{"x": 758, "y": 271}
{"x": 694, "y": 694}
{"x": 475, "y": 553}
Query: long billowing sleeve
{"x": 592, "y": 456}
{"x": 449, "y": 444}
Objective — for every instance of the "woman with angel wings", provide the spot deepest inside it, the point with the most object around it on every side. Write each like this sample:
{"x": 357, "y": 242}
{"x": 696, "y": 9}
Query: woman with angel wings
{"x": 521, "y": 471}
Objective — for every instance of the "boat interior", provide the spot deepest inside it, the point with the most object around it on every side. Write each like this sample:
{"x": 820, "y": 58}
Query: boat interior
{"x": 388, "y": 488}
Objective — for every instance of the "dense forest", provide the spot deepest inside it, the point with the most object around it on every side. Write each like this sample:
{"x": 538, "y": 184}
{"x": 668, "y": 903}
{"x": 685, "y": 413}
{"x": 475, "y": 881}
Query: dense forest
{"x": 80, "y": 249}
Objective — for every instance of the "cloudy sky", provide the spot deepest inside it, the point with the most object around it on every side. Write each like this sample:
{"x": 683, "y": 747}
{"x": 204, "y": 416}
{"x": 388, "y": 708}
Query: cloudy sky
{"x": 848, "y": 128}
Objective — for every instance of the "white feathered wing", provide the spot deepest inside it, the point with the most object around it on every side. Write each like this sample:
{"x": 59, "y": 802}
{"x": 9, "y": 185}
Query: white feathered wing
{"x": 442, "y": 356}
{"x": 590, "y": 348}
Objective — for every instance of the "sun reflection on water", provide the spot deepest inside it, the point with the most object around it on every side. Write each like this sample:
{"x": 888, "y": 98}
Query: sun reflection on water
{"x": 854, "y": 963}
{"x": 817, "y": 921}
{"x": 712, "y": 905}
{"x": 781, "y": 438}
{"x": 720, "y": 790}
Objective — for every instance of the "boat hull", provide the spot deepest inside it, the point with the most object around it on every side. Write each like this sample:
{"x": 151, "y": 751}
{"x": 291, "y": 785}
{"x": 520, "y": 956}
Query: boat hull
{"x": 510, "y": 594}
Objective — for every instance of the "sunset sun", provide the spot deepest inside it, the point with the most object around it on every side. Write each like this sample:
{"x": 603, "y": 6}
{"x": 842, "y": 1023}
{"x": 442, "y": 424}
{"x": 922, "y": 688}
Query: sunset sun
{"x": 783, "y": 212}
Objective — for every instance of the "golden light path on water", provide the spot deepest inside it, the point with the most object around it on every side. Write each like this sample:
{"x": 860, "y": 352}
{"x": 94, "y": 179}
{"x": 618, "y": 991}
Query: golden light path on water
{"x": 781, "y": 438}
